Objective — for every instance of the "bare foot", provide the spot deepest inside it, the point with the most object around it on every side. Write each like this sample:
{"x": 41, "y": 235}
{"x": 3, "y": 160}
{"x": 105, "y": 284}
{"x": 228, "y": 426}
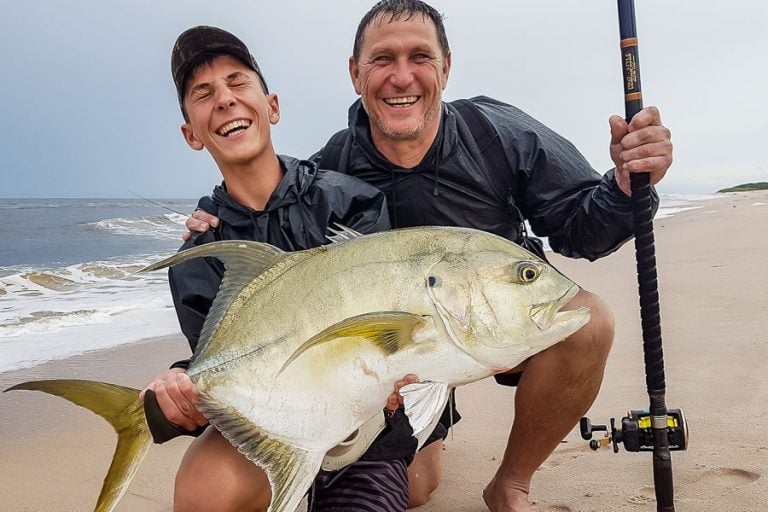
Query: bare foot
{"x": 509, "y": 497}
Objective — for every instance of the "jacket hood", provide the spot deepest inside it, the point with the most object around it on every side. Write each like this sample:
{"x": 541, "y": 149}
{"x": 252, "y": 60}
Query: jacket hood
{"x": 298, "y": 176}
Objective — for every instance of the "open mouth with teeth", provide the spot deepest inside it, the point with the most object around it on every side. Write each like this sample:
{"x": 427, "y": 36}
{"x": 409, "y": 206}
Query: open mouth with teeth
{"x": 404, "y": 101}
{"x": 233, "y": 128}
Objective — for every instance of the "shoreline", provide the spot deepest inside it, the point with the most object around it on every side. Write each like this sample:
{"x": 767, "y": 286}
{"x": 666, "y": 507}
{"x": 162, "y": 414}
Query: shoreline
{"x": 713, "y": 279}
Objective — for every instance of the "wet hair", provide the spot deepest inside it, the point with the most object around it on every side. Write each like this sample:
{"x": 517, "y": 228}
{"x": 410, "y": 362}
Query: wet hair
{"x": 400, "y": 10}
{"x": 205, "y": 60}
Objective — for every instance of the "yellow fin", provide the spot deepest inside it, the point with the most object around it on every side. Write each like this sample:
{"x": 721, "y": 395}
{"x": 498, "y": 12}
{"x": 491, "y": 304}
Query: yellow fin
{"x": 291, "y": 470}
{"x": 121, "y": 407}
{"x": 390, "y": 331}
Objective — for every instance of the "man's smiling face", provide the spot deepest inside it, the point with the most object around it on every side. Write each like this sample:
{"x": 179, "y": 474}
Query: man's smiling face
{"x": 400, "y": 75}
{"x": 229, "y": 112}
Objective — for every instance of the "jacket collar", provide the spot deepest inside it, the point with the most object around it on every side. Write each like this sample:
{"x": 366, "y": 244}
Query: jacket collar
{"x": 298, "y": 176}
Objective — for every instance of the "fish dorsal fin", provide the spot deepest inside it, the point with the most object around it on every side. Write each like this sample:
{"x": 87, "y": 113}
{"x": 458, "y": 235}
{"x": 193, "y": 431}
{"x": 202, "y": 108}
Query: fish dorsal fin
{"x": 243, "y": 260}
{"x": 424, "y": 403}
{"x": 290, "y": 470}
{"x": 390, "y": 331}
{"x": 341, "y": 233}
{"x": 241, "y": 256}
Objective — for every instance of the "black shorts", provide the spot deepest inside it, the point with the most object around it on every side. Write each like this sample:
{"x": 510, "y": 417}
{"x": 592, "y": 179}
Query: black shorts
{"x": 366, "y": 485}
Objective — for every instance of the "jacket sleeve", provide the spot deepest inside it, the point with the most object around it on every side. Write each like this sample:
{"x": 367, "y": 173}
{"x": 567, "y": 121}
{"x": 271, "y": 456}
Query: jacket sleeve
{"x": 355, "y": 203}
{"x": 584, "y": 214}
{"x": 194, "y": 285}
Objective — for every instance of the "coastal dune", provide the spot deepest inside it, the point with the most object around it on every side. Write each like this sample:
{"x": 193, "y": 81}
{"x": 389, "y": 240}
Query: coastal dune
{"x": 713, "y": 278}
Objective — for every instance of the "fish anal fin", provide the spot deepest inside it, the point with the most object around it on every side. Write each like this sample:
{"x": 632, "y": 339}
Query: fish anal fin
{"x": 390, "y": 331}
{"x": 291, "y": 470}
{"x": 424, "y": 403}
{"x": 121, "y": 407}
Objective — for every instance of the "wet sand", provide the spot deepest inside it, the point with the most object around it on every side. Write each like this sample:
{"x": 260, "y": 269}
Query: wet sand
{"x": 713, "y": 278}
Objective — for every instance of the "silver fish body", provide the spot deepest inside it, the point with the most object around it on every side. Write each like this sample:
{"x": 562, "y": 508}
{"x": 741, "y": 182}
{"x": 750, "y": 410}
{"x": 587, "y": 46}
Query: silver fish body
{"x": 300, "y": 350}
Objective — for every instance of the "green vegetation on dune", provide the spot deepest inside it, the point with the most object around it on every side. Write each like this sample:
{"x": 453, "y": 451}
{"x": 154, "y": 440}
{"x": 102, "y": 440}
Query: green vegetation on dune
{"x": 761, "y": 185}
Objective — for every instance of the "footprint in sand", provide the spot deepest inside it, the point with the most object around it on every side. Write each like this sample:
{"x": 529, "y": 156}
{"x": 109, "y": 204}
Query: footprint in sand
{"x": 707, "y": 484}
{"x": 716, "y": 482}
{"x": 543, "y": 507}
{"x": 564, "y": 456}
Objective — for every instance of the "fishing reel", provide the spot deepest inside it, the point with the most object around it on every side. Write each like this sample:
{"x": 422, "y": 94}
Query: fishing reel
{"x": 636, "y": 432}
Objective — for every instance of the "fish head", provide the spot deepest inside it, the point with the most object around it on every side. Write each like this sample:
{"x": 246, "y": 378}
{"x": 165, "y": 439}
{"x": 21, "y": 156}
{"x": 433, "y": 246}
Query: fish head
{"x": 502, "y": 307}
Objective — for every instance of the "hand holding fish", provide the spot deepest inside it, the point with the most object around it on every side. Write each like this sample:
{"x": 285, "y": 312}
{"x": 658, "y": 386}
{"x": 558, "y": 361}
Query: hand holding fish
{"x": 395, "y": 400}
{"x": 176, "y": 394}
{"x": 643, "y": 145}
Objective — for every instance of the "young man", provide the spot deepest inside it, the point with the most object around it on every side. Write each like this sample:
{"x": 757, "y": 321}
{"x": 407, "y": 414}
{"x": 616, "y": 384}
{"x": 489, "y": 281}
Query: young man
{"x": 485, "y": 164}
{"x": 266, "y": 197}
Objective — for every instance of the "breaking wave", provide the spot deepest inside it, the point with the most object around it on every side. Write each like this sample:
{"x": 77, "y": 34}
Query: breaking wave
{"x": 168, "y": 226}
{"x": 52, "y": 313}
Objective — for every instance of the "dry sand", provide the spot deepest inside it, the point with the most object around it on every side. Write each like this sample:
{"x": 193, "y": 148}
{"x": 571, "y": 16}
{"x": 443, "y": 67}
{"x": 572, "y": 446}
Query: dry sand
{"x": 713, "y": 275}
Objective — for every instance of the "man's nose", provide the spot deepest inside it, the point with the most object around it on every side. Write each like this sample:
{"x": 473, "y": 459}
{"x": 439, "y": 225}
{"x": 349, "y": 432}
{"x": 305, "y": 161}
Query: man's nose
{"x": 402, "y": 75}
{"x": 225, "y": 99}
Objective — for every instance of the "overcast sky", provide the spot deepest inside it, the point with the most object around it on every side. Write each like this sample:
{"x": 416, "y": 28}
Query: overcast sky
{"x": 88, "y": 108}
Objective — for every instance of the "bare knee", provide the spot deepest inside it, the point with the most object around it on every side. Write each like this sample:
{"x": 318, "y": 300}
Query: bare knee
{"x": 424, "y": 474}
{"x": 214, "y": 476}
{"x": 594, "y": 340}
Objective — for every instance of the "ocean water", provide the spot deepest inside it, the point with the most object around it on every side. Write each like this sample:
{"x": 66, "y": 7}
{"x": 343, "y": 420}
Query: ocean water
{"x": 67, "y": 282}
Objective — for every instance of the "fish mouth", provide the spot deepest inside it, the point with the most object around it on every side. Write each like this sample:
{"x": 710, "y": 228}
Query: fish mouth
{"x": 546, "y": 314}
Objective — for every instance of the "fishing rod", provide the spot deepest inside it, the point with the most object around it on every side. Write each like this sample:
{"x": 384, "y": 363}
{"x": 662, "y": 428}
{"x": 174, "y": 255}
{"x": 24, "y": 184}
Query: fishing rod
{"x": 161, "y": 205}
{"x": 657, "y": 429}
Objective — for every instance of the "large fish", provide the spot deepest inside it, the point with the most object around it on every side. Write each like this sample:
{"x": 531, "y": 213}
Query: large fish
{"x": 300, "y": 350}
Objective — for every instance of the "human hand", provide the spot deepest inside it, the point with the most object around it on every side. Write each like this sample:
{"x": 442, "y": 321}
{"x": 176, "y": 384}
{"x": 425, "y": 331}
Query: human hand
{"x": 395, "y": 400}
{"x": 176, "y": 395}
{"x": 643, "y": 145}
{"x": 199, "y": 222}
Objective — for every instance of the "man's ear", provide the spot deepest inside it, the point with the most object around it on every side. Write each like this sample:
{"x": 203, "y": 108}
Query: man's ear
{"x": 274, "y": 108}
{"x": 446, "y": 69}
{"x": 191, "y": 138}
{"x": 354, "y": 74}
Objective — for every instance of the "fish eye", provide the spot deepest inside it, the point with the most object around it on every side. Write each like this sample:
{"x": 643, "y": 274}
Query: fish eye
{"x": 433, "y": 281}
{"x": 528, "y": 272}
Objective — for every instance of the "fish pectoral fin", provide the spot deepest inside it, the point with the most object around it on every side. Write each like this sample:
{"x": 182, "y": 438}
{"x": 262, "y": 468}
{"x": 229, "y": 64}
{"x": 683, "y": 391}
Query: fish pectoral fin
{"x": 121, "y": 407}
{"x": 424, "y": 403}
{"x": 290, "y": 469}
{"x": 390, "y": 331}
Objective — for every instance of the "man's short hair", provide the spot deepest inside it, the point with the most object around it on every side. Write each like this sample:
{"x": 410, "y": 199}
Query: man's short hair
{"x": 200, "y": 46}
{"x": 401, "y": 10}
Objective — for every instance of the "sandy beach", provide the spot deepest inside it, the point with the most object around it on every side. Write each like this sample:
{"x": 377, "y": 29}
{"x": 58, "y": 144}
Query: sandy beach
{"x": 713, "y": 278}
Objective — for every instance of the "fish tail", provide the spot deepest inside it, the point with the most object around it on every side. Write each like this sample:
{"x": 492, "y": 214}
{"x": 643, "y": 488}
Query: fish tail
{"x": 121, "y": 407}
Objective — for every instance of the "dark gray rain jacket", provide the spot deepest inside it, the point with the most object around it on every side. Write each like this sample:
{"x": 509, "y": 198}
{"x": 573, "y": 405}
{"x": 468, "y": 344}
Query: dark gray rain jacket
{"x": 516, "y": 167}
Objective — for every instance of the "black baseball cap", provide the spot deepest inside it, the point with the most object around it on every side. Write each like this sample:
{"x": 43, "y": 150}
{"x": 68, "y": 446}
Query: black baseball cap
{"x": 197, "y": 43}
